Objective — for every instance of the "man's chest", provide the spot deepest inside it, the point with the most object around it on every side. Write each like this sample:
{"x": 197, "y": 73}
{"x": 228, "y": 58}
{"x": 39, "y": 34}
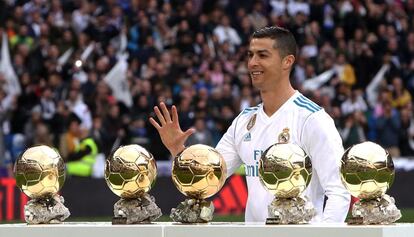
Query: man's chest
{"x": 254, "y": 137}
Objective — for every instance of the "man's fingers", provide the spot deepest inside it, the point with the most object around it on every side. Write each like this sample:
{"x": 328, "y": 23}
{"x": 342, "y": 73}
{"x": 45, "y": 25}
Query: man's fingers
{"x": 189, "y": 132}
{"x": 154, "y": 123}
{"x": 164, "y": 110}
{"x": 174, "y": 115}
{"x": 159, "y": 115}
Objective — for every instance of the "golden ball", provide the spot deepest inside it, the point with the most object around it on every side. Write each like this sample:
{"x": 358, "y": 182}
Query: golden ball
{"x": 40, "y": 172}
{"x": 367, "y": 170}
{"x": 285, "y": 170}
{"x": 199, "y": 171}
{"x": 130, "y": 171}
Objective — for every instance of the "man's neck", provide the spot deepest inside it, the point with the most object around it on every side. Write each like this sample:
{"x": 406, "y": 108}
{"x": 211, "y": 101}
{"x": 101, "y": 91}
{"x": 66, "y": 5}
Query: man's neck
{"x": 274, "y": 99}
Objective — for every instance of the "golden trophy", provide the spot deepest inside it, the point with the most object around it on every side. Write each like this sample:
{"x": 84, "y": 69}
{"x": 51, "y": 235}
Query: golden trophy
{"x": 367, "y": 171}
{"x": 285, "y": 170}
{"x": 40, "y": 174}
{"x": 130, "y": 173}
{"x": 198, "y": 172}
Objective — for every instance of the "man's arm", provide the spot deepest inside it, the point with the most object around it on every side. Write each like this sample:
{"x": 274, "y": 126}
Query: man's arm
{"x": 227, "y": 148}
{"x": 324, "y": 145}
{"x": 75, "y": 156}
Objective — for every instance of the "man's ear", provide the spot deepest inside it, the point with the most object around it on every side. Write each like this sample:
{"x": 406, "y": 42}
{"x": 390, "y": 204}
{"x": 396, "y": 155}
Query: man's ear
{"x": 288, "y": 62}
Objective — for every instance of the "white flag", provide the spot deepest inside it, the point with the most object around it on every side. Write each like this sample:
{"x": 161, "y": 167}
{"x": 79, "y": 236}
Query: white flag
{"x": 316, "y": 82}
{"x": 64, "y": 58}
{"x": 85, "y": 54}
{"x": 120, "y": 43}
{"x": 117, "y": 81}
{"x": 373, "y": 86}
{"x": 123, "y": 42}
{"x": 6, "y": 68}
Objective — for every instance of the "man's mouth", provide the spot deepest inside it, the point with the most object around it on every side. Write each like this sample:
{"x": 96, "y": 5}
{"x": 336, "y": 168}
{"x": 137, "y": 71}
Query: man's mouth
{"x": 256, "y": 73}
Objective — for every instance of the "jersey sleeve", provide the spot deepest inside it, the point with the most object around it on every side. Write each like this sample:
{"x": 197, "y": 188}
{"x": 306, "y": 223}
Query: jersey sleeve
{"x": 324, "y": 145}
{"x": 227, "y": 148}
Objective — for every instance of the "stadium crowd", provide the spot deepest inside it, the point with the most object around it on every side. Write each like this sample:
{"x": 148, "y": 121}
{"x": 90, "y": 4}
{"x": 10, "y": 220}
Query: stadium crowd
{"x": 355, "y": 59}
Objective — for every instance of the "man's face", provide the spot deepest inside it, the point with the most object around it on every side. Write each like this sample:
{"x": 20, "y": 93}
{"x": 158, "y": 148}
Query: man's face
{"x": 264, "y": 63}
{"x": 74, "y": 128}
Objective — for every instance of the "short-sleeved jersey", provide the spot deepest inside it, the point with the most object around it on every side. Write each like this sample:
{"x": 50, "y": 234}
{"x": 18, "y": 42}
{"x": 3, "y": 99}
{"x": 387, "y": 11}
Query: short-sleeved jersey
{"x": 300, "y": 121}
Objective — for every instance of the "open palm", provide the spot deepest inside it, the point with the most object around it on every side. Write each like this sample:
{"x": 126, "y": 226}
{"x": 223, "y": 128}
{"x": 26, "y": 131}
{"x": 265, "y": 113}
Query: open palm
{"x": 169, "y": 129}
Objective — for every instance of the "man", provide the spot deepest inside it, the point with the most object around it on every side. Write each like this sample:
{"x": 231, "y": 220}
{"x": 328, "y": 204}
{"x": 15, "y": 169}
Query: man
{"x": 284, "y": 116}
{"x": 81, "y": 162}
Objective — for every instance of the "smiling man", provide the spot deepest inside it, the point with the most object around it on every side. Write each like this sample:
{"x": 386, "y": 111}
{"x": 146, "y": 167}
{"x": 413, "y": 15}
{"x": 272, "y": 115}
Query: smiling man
{"x": 284, "y": 115}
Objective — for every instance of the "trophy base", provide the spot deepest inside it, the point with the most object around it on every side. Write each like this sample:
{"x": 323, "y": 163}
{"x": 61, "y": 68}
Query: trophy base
{"x": 46, "y": 210}
{"x": 273, "y": 221}
{"x": 378, "y": 211}
{"x": 193, "y": 211}
{"x": 141, "y": 210}
{"x": 123, "y": 221}
{"x": 119, "y": 220}
{"x": 290, "y": 211}
{"x": 355, "y": 221}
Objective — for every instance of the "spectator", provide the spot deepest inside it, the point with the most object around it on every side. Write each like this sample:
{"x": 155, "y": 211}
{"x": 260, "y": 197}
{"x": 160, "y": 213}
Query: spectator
{"x": 353, "y": 131}
{"x": 70, "y": 139}
{"x": 388, "y": 127}
{"x": 406, "y": 133}
{"x": 201, "y": 134}
{"x": 257, "y": 17}
{"x": 43, "y": 136}
{"x": 138, "y": 132}
{"x": 225, "y": 32}
{"x": 355, "y": 102}
{"x": 47, "y": 105}
{"x": 400, "y": 96}
{"x": 76, "y": 104}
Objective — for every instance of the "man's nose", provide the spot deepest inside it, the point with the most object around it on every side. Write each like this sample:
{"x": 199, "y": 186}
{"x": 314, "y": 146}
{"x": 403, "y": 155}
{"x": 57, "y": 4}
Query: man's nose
{"x": 253, "y": 61}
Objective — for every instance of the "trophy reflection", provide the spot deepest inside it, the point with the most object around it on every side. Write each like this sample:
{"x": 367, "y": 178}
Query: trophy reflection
{"x": 198, "y": 172}
{"x": 367, "y": 171}
{"x": 285, "y": 170}
{"x": 130, "y": 173}
{"x": 40, "y": 174}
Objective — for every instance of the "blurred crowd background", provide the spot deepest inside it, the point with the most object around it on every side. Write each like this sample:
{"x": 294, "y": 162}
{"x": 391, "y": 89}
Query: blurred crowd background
{"x": 91, "y": 69}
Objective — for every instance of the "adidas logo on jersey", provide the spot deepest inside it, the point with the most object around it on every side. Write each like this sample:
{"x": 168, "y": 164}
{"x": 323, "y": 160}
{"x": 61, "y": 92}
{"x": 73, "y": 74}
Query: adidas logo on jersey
{"x": 247, "y": 137}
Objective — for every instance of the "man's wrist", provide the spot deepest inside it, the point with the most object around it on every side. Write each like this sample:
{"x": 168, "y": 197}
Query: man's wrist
{"x": 177, "y": 151}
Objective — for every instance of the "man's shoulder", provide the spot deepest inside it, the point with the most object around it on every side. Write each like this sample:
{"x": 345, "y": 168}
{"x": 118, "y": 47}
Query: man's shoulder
{"x": 308, "y": 112}
{"x": 247, "y": 115}
{"x": 305, "y": 106}
{"x": 250, "y": 110}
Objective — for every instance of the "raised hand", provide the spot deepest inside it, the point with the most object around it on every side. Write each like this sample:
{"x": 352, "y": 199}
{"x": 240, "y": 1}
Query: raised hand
{"x": 169, "y": 129}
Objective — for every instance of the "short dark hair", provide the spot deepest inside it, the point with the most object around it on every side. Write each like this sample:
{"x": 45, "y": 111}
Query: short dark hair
{"x": 284, "y": 40}
{"x": 73, "y": 118}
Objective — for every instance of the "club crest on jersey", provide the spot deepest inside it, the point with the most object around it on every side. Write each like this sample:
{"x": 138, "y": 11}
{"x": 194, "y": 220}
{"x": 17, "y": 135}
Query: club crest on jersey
{"x": 247, "y": 137}
{"x": 252, "y": 122}
{"x": 284, "y": 136}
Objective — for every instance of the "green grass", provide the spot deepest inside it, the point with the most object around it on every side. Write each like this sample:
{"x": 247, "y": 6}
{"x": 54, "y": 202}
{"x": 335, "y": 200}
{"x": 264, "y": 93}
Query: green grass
{"x": 407, "y": 217}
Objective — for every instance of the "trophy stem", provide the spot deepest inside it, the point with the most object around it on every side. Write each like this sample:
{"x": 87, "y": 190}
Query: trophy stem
{"x": 193, "y": 211}
{"x": 48, "y": 210}
{"x": 141, "y": 210}
{"x": 380, "y": 210}
{"x": 295, "y": 210}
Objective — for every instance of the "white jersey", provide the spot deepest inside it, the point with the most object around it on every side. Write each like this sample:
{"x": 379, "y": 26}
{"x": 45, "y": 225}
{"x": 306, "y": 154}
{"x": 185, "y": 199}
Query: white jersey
{"x": 305, "y": 124}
